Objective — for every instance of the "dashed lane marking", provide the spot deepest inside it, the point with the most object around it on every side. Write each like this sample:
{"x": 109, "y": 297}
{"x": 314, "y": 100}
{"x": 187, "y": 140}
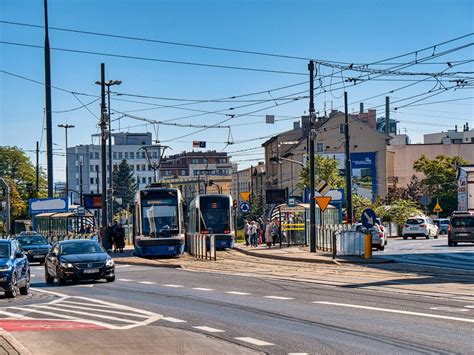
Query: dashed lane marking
{"x": 253, "y": 341}
{"x": 175, "y": 286}
{"x": 86, "y": 285}
{"x": 203, "y": 289}
{"x": 238, "y": 293}
{"x": 122, "y": 266}
{"x": 279, "y": 298}
{"x": 174, "y": 320}
{"x": 209, "y": 329}
{"x": 428, "y": 315}
{"x": 33, "y": 275}
{"x": 450, "y": 309}
{"x": 147, "y": 282}
{"x": 469, "y": 306}
{"x": 125, "y": 280}
{"x": 297, "y": 353}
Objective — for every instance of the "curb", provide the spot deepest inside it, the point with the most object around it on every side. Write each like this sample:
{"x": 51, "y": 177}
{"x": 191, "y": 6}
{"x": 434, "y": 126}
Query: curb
{"x": 314, "y": 261}
{"x": 140, "y": 263}
{"x": 15, "y": 344}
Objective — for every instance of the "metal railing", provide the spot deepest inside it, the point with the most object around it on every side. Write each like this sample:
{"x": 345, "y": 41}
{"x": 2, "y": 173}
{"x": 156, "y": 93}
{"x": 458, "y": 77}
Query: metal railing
{"x": 202, "y": 246}
{"x": 340, "y": 240}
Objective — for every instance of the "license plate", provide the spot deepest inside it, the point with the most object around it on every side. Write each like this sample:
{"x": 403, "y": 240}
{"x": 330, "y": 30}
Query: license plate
{"x": 170, "y": 248}
{"x": 223, "y": 243}
{"x": 462, "y": 234}
{"x": 413, "y": 228}
{"x": 38, "y": 256}
{"x": 91, "y": 271}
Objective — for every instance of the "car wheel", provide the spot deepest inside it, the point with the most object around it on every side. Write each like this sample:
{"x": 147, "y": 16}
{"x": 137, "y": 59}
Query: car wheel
{"x": 427, "y": 237}
{"x": 405, "y": 237}
{"x": 110, "y": 279}
{"x": 61, "y": 281}
{"x": 48, "y": 278}
{"x": 413, "y": 237}
{"x": 26, "y": 289}
{"x": 382, "y": 248}
{"x": 13, "y": 291}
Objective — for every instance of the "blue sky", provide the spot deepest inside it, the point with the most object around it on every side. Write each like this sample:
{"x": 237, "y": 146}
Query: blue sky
{"x": 346, "y": 31}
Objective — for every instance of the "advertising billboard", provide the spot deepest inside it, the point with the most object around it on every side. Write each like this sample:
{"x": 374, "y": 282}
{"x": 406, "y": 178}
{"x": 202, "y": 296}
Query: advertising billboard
{"x": 52, "y": 205}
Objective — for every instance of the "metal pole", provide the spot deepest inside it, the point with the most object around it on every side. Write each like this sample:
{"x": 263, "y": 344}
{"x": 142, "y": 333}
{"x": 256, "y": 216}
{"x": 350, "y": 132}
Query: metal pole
{"x": 110, "y": 195}
{"x": 312, "y": 202}
{"x": 348, "y": 164}
{"x": 47, "y": 81}
{"x": 103, "y": 127}
{"x": 387, "y": 114}
{"x": 80, "y": 181}
{"x": 37, "y": 168}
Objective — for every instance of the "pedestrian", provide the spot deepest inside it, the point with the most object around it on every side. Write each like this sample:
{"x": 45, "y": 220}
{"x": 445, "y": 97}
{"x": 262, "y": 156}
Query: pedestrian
{"x": 268, "y": 233}
{"x": 257, "y": 233}
{"x": 108, "y": 238}
{"x": 274, "y": 232}
{"x": 120, "y": 238}
{"x": 247, "y": 232}
{"x": 253, "y": 234}
{"x": 115, "y": 235}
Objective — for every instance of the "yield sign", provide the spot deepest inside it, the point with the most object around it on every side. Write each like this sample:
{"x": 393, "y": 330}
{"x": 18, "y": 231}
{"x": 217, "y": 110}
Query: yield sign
{"x": 323, "y": 202}
{"x": 244, "y": 196}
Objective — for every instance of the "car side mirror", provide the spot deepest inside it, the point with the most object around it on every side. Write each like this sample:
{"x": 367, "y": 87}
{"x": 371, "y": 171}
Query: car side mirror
{"x": 19, "y": 255}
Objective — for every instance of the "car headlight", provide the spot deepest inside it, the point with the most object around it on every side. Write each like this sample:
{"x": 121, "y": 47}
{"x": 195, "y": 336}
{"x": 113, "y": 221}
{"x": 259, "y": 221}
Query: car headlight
{"x": 30, "y": 251}
{"x": 67, "y": 265}
{"x": 6, "y": 268}
{"x": 109, "y": 262}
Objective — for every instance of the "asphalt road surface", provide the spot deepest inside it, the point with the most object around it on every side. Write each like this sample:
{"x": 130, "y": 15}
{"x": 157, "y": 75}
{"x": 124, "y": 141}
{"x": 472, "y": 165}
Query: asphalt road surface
{"x": 433, "y": 252}
{"x": 267, "y": 315}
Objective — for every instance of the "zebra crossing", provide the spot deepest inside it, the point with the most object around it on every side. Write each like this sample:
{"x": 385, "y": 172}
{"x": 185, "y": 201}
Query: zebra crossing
{"x": 82, "y": 309}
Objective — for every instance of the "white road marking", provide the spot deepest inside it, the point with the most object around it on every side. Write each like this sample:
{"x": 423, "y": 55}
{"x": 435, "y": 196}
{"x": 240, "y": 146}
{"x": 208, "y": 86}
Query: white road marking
{"x": 238, "y": 293}
{"x": 253, "y": 341}
{"x": 147, "y": 282}
{"x": 396, "y": 311}
{"x": 297, "y": 353}
{"x": 87, "y": 285}
{"x": 209, "y": 329}
{"x": 450, "y": 309}
{"x": 173, "y": 286}
{"x": 33, "y": 275}
{"x": 279, "y": 298}
{"x": 121, "y": 266}
{"x": 125, "y": 280}
{"x": 14, "y": 315}
{"x": 102, "y": 310}
{"x": 174, "y": 320}
{"x": 469, "y": 306}
{"x": 203, "y": 289}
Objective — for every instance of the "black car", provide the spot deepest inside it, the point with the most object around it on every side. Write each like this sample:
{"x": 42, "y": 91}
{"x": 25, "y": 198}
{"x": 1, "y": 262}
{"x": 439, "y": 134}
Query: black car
{"x": 79, "y": 259}
{"x": 35, "y": 246}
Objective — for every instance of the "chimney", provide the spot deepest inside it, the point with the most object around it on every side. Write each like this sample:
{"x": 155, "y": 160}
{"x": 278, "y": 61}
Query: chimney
{"x": 296, "y": 125}
{"x": 455, "y": 128}
{"x": 467, "y": 126}
{"x": 361, "y": 107}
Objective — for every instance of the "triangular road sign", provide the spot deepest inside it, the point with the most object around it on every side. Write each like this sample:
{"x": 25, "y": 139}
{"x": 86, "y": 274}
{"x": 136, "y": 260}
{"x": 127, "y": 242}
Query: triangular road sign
{"x": 323, "y": 202}
{"x": 437, "y": 208}
{"x": 244, "y": 196}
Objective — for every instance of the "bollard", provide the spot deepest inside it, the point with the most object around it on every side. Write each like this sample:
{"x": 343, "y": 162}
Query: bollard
{"x": 367, "y": 246}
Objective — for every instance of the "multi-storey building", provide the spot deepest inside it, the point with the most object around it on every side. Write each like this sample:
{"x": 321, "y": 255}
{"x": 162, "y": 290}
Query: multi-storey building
{"x": 126, "y": 146}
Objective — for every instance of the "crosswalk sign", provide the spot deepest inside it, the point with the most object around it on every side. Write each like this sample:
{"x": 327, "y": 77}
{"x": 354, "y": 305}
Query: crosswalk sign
{"x": 437, "y": 208}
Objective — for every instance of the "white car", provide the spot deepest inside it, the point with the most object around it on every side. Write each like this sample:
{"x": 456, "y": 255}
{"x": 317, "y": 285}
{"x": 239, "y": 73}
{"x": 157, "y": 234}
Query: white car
{"x": 420, "y": 226}
{"x": 378, "y": 233}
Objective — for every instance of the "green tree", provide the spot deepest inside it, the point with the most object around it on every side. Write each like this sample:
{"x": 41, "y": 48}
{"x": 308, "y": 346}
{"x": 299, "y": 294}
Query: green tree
{"x": 17, "y": 205}
{"x": 125, "y": 185}
{"x": 440, "y": 179}
{"x": 326, "y": 168}
{"x": 257, "y": 208}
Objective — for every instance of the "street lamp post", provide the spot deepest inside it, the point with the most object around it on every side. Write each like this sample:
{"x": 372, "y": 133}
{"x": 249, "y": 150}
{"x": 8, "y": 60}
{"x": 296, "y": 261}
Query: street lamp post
{"x": 66, "y": 127}
{"x": 110, "y": 191}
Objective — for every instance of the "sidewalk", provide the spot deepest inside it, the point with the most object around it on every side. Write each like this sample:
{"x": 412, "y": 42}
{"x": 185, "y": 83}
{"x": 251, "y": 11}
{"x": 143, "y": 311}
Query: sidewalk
{"x": 303, "y": 254}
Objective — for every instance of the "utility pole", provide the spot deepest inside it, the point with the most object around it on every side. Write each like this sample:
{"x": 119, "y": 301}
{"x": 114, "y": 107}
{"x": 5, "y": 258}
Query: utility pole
{"x": 37, "y": 168}
{"x": 66, "y": 127}
{"x": 387, "y": 114}
{"x": 312, "y": 137}
{"x": 80, "y": 181}
{"x": 47, "y": 81}
{"x": 103, "y": 131}
{"x": 348, "y": 163}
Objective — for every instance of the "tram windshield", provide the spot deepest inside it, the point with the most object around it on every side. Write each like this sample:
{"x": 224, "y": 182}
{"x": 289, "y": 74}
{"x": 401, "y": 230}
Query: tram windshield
{"x": 160, "y": 217}
{"x": 215, "y": 212}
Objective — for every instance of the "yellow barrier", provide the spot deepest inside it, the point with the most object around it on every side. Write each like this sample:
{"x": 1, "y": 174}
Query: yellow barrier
{"x": 367, "y": 246}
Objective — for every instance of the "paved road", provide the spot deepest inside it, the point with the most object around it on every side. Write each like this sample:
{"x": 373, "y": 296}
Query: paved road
{"x": 269, "y": 315}
{"x": 434, "y": 252}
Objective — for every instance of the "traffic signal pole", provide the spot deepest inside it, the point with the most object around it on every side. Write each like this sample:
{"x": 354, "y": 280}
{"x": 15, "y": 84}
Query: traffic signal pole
{"x": 312, "y": 136}
{"x": 103, "y": 131}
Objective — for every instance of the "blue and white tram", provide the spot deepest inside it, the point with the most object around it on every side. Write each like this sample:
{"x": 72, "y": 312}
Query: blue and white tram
{"x": 159, "y": 222}
{"x": 212, "y": 214}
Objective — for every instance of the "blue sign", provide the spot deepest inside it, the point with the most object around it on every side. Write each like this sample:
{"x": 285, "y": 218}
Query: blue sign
{"x": 337, "y": 195}
{"x": 368, "y": 218}
{"x": 51, "y": 205}
{"x": 364, "y": 174}
{"x": 244, "y": 207}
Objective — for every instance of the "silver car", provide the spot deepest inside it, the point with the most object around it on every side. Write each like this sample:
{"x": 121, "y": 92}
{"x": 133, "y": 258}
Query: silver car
{"x": 379, "y": 237}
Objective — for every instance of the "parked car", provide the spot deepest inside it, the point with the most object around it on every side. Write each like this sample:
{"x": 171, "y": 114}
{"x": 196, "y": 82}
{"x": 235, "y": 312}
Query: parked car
{"x": 379, "y": 238}
{"x": 14, "y": 269}
{"x": 419, "y": 226}
{"x": 442, "y": 224}
{"x": 35, "y": 246}
{"x": 461, "y": 229}
{"x": 78, "y": 259}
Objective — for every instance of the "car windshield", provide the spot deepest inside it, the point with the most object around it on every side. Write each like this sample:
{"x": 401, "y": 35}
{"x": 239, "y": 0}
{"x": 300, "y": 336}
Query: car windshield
{"x": 462, "y": 222}
{"x": 32, "y": 240}
{"x": 80, "y": 248}
{"x": 415, "y": 221}
{"x": 4, "y": 250}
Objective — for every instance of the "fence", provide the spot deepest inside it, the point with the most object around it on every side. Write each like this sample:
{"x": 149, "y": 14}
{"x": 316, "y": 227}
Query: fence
{"x": 202, "y": 246}
{"x": 340, "y": 240}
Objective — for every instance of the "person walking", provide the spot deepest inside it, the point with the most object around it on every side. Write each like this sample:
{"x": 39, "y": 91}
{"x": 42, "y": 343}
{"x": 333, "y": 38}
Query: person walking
{"x": 268, "y": 233}
{"x": 247, "y": 232}
{"x": 115, "y": 233}
{"x": 274, "y": 232}
{"x": 253, "y": 234}
{"x": 120, "y": 238}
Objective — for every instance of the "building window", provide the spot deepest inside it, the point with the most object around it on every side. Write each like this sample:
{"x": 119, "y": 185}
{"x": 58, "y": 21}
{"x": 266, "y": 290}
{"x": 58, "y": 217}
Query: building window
{"x": 132, "y": 167}
{"x": 143, "y": 167}
{"x": 92, "y": 181}
{"x": 91, "y": 168}
{"x": 91, "y": 155}
{"x": 341, "y": 128}
{"x": 120, "y": 155}
{"x": 97, "y": 168}
{"x": 97, "y": 155}
{"x": 183, "y": 172}
{"x": 195, "y": 161}
{"x": 138, "y": 167}
{"x": 143, "y": 155}
{"x": 149, "y": 167}
{"x": 155, "y": 155}
{"x": 126, "y": 155}
{"x": 320, "y": 147}
{"x": 144, "y": 180}
{"x": 115, "y": 155}
{"x": 149, "y": 179}
{"x": 132, "y": 155}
